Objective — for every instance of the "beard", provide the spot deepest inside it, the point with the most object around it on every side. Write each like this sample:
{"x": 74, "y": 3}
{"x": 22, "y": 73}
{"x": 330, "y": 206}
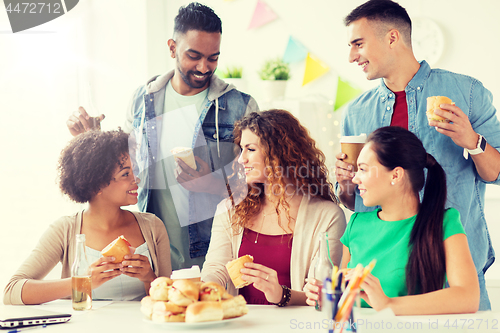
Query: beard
{"x": 190, "y": 80}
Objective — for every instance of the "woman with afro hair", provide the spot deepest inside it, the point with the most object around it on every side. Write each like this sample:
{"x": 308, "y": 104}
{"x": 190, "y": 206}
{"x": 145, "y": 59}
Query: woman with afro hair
{"x": 96, "y": 168}
{"x": 287, "y": 202}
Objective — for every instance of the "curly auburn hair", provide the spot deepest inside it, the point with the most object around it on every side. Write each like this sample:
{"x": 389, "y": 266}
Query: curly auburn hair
{"x": 289, "y": 154}
{"x": 88, "y": 162}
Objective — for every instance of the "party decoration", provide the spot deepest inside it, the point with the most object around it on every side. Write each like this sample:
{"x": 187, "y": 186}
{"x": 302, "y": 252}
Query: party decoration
{"x": 314, "y": 69}
{"x": 345, "y": 93}
{"x": 263, "y": 14}
{"x": 295, "y": 51}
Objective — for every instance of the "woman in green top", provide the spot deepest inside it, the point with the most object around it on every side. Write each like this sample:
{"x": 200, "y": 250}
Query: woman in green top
{"x": 419, "y": 245}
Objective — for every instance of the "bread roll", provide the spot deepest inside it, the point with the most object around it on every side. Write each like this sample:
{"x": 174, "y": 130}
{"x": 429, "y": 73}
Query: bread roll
{"x": 234, "y": 307}
{"x": 183, "y": 292}
{"x": 159, "y": 288}
{"x": 118, "y": 248}
{"x": 234, "y": 267}
{"x": 211, "y": 291}
{"x": 185, "y": 154}
{"x": 433, "y": 103}
{"x": 147, "y": 306}
{"x": 168, "y": 312}
{"x": 204, "y": 311}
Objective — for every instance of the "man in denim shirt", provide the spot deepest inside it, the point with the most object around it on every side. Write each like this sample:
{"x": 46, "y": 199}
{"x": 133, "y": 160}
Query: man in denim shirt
{"x": 379, "y": 36}
{"x": 186, "y": 107}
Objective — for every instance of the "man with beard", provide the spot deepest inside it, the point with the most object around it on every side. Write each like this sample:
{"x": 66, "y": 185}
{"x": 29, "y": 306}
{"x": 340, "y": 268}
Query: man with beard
{"x": 186, "y": 107}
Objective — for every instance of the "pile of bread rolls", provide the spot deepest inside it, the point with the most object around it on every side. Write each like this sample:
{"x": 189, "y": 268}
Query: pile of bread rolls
{"x": 191, "y": 302}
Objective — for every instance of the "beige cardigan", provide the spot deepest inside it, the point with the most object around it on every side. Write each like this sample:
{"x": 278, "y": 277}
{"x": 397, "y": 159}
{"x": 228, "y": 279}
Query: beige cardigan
{"x": 58, "y": 244}
{"x": 314, "y": 216}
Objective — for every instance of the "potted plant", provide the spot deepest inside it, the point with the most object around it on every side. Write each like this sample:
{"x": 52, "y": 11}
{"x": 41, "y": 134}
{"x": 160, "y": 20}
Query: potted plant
{"x": 233, "y": 75}
{"x": 274, "y": 75}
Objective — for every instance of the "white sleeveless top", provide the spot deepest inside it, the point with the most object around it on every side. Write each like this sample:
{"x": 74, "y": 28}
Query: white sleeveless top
{"x": 122, "y": 287}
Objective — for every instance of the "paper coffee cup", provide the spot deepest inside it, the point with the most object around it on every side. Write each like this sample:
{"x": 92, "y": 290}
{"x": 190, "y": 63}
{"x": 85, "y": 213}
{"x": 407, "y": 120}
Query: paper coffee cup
{"x": 192, "y": 274}
{"x": 185, "y": 154}
{"x": 351, "y": 146}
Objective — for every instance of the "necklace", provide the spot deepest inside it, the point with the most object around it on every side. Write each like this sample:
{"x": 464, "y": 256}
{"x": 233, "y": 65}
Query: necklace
{"x": 262, "y": 224}
{"x": 264, "y": 218}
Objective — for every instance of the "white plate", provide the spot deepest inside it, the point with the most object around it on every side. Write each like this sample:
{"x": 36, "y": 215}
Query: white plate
{"x": 186, "y": 326}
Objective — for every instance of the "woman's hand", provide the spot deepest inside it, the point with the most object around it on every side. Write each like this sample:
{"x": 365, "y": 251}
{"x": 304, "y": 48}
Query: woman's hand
{"x": 264, "y": 279}
{"x": 137, "y": 266}
{"x": 312, "y": 289}
{"x": 103, "y": 270}
{"x": 373, "y": 294}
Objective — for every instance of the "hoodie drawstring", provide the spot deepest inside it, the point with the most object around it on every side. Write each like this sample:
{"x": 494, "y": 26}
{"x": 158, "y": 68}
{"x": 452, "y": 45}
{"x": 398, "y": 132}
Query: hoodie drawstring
{"x": 217, "y": 124}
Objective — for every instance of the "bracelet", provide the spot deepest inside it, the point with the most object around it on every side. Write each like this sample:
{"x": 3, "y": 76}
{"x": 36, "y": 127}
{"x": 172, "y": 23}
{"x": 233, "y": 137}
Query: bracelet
{"x": 285, "y": 296}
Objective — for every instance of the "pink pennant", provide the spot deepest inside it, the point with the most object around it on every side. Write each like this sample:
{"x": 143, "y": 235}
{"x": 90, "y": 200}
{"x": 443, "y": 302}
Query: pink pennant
{"x": 263, "y": 14}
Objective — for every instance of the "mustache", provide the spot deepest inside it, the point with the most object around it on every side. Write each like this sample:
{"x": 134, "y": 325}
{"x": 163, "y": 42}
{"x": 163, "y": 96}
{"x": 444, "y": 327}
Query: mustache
{"x": 200, "y": 73}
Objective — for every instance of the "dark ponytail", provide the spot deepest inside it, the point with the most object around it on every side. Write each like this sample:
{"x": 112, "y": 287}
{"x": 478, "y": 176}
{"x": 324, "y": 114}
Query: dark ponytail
{"x": 426, "y": 267}
{"x": 397, "y": 147}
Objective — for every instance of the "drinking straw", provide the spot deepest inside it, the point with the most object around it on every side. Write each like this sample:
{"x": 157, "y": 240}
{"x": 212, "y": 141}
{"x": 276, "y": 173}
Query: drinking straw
{"x": 328, "y": 249}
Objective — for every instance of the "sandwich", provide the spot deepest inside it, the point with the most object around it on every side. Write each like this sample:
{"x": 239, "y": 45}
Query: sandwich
{"x": 159, "y": 288}
{"x": 185, "y": 154}
{"x": 211, "y": 291}
{"x": 164, "y": 312}
{"x": 183, "y": 292}
{"x": 204, "y": 311}
{"x": 433, "y": 103}
{"x": 234, "y": 307}
{"x": 234, "y": 267}
{"x": 118, "y": 248}
{"x": 94, "y": 123}
{"x": 147, "y": 306}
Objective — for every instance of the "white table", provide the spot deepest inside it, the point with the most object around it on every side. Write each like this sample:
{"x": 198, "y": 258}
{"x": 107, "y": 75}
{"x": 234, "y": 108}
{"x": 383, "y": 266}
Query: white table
{"x": 126, "y": 317}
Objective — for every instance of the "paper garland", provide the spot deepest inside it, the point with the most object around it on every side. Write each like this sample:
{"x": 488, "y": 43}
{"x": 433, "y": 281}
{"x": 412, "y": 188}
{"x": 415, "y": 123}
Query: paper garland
{"x": 345, "y": 93}
{"x": 314, "y": 69}
{"x": 295, "y": 51}
{"x": 263, "y": 14}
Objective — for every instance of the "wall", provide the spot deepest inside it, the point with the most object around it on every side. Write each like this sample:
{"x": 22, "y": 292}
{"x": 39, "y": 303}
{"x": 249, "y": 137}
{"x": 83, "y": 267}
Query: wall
{"x": 115, "y": 45}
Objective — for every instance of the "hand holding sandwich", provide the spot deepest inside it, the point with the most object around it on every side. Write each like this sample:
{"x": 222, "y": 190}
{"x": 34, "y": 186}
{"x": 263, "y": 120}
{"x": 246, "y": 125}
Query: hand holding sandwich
{"x": 200, "y": 180}
{"x": 457, "y": 126}
{"x": 137, "y": 266}
{"x": 264, "y": 279}
{"x": 103, "y": 270}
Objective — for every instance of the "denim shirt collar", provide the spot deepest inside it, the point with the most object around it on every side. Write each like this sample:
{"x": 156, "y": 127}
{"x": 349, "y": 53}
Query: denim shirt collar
{"x": 416, "y": 83}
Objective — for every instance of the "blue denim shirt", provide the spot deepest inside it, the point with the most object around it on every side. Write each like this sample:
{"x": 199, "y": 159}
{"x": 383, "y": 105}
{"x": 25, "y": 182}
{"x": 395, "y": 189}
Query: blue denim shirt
{"x": 148, "y": 102}
{"x": 466, "y": 189}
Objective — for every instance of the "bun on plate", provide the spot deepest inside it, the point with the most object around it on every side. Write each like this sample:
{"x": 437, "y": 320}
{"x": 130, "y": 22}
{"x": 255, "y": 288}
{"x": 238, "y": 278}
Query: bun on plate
{"x": 168, "y": 312}
{"x": 147, "y": 306}
{"x": 204, "y": 311}
{"x": 183, "y": 292}
{"x": 118, "y": 248}
{"x": 211, "y": 291}
{"x": 234, "y": 267}
{"x": 433, "y": 103}
{"x": 159, "y": 288}
{"x": 234, "y": 307}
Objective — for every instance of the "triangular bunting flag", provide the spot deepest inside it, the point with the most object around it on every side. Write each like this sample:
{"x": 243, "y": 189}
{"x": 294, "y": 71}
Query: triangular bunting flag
{"x": 263, "y": 14}
{"x": 314, "y": 69}
{"x": 345, "y": 93}
{"x": 295, "y": 51}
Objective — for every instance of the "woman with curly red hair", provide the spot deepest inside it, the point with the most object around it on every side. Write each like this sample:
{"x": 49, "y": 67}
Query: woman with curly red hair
{"x": 288, "y": 202}
{"x": 95, "y": 168}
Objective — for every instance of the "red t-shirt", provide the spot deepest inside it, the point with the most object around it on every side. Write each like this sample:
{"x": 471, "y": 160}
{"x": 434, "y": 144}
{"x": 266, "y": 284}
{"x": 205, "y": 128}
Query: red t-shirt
{"x": 273, "y": 251}
{"x": 400, "y": 114}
